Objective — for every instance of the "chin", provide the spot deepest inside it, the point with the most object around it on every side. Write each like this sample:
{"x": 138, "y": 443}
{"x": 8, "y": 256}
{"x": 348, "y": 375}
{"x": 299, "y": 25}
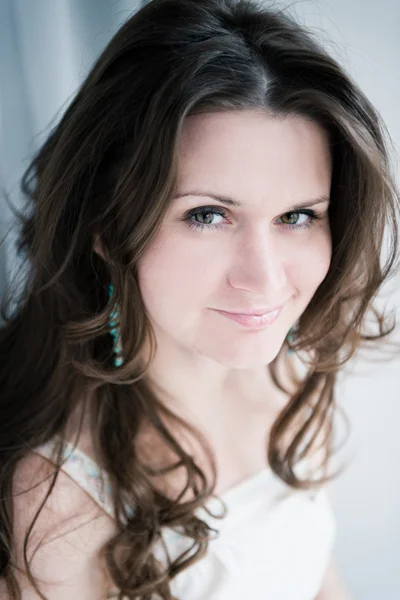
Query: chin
{"x": 249, "y": 360}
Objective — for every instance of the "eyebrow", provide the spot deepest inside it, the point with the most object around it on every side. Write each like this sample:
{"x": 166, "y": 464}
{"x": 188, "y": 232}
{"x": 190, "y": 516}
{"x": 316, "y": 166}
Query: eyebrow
{"x": 228, "y": 201}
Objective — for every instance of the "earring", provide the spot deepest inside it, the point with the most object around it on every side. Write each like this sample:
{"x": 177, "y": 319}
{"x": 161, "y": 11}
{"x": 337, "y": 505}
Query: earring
{"x": 291, "y": 338}
{"x": 113, "y": 324}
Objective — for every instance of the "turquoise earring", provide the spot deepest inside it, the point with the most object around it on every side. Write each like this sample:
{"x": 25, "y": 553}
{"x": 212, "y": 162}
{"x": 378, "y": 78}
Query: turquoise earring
{"x": 113, "y": 324}
{"x": 291, "y": 338}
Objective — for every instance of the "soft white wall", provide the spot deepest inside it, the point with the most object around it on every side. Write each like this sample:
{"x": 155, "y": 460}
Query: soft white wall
{"x": 364, "y": 36}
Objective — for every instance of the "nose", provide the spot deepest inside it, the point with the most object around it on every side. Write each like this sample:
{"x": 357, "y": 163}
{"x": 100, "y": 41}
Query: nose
{"x": 259, "y": 266}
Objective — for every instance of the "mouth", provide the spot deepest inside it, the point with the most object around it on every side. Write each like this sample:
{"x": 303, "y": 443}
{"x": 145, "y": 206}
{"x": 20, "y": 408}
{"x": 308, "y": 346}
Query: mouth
{"x": 252, "y": 321}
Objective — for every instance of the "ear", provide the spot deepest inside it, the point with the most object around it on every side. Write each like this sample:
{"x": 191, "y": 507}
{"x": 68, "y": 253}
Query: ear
{"x": 98, "y": 246}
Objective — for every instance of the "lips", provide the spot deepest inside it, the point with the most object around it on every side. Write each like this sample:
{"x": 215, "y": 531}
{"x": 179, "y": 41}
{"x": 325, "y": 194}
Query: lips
{"x": 253, "y": 311}
{"x": 253, "y": 321}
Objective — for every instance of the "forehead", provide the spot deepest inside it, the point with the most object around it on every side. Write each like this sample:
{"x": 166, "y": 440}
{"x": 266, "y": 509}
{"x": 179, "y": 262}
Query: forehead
{"x": 245, "y": 152}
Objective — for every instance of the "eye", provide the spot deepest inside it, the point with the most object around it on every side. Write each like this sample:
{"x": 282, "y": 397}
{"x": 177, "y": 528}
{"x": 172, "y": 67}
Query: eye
{"x": 208, "y": 215}
{"x": 293, "y": 218}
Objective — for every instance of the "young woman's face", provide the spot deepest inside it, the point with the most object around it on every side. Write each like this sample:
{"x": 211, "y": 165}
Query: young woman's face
{"x": 258, "y": 255}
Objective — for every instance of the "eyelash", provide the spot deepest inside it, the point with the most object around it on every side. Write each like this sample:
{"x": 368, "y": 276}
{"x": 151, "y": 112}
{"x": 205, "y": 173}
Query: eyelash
{"x": 205, "y": 210}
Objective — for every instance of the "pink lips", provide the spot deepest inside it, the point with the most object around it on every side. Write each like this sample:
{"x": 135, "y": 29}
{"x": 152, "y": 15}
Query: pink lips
{"x": 253, "y": 321}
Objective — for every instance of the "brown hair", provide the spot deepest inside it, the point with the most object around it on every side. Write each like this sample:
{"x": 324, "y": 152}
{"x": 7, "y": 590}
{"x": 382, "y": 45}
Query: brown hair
{"x": 109, "y": 166}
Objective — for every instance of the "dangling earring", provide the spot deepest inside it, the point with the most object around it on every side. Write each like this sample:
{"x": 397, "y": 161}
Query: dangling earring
{"x": 113, "y": 324}
{"x": 291, "y": 338}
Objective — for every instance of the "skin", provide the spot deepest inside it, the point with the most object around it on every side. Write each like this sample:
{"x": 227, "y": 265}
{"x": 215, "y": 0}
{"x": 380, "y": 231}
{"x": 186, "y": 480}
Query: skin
{"x": 254, "y": 259}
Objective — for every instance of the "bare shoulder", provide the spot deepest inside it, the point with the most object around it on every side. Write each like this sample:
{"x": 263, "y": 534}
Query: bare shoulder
{"x": 66, "y": 537}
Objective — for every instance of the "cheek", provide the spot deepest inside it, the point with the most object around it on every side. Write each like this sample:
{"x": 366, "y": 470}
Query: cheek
{"x": 172, "y": 276}
{"x": 309, "y": 265}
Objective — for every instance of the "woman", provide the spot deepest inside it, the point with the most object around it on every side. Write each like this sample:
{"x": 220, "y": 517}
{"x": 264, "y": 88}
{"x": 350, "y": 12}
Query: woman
{"x": 203, "y": 242}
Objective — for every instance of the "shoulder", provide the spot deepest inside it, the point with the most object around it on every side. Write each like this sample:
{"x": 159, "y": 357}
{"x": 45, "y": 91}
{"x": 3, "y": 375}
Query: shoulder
{"x": 67, "y": 535}
{"x": 32, "y": 480}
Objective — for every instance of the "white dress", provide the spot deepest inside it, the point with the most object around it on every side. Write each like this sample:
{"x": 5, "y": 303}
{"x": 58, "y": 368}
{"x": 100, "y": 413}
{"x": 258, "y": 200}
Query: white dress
{"x": 274, "y": 543}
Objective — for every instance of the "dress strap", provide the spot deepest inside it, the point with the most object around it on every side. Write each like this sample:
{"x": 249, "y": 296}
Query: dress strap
{"x": 83, "y": 470}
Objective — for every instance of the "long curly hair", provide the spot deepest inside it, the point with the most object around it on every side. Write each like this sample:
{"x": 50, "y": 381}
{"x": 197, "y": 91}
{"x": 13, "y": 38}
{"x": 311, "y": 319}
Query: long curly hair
{"x": 109, "y": 167}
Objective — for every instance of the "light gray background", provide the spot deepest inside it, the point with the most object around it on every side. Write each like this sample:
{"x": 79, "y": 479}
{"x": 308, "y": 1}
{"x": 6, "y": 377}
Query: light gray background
{"x": 46, "y": 48}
